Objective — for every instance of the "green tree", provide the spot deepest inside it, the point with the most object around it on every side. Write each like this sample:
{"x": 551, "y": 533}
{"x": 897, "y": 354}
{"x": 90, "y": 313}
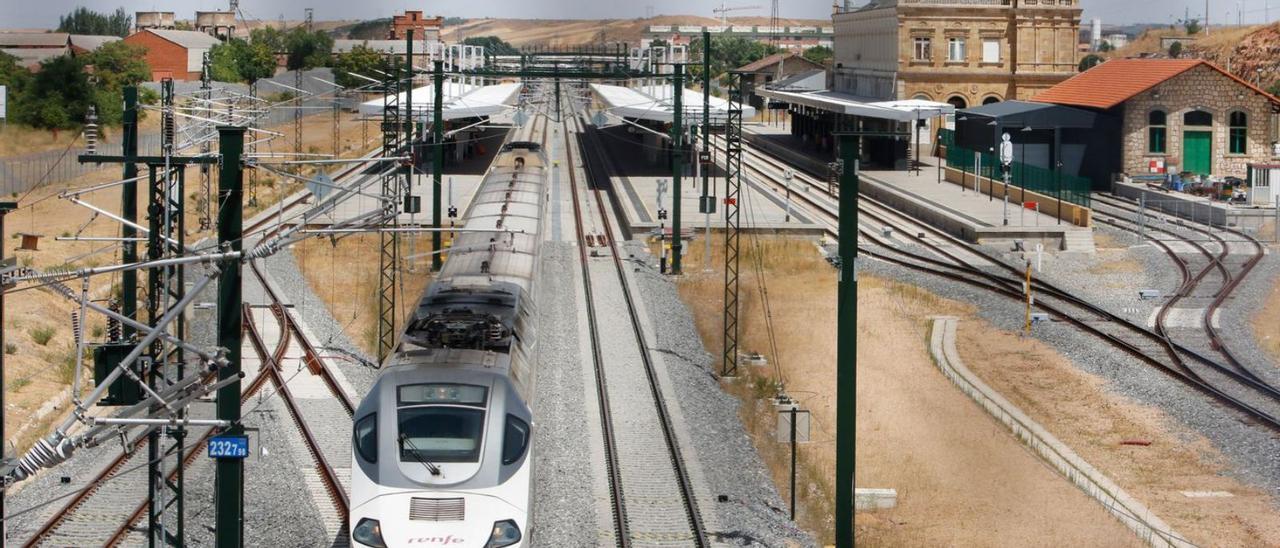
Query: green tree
{"x": 307, "y": 50}
{"x": 224, "y": 65}
{"x": 361, "y": 60}
{"x": 58, "y": 96}
{"x": 1175, "y": 50}
{"x": 271, "y": 37}
{"x": 818, "y": 54}
{"x": 1089, "y": 62}
{"x": 85, "y": 21}
{"x": 1192, "y": 26}
{"x": 375, "y": 29}
{"x": 1274, "y": 89}
{"x": 728, "y": 53}
{"x": 239, "y": 61}
{"x": 117, "y": 64}
{"x": 492, "y": 45}
{"x": 15, "y": 78}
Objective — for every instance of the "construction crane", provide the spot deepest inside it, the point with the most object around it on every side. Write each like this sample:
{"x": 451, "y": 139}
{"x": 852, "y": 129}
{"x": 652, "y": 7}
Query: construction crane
{"x": 723, "y": 11}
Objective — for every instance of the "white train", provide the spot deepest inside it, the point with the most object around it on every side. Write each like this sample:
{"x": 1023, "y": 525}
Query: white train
{"x": 443, "y": 443}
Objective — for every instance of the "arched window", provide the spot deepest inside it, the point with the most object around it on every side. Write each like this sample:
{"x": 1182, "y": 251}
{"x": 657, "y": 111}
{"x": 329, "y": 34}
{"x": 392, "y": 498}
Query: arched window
{"x": 1238, "y": 134}
{"x": 1197, "y": 118}
{"x": 991, "y": 100}
{"x": 958, "y": 102}
{"x": 1157, "y": 131}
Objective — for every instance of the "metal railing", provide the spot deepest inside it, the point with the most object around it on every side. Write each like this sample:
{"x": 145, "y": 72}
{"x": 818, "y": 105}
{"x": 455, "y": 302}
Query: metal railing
{"x": 1047, "y": 182}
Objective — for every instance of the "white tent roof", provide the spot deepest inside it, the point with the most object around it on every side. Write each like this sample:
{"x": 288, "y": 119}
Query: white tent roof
{"x": 654, "y": 103}
{"x": 843, "y": 103}
{"x": 460, "y": 101}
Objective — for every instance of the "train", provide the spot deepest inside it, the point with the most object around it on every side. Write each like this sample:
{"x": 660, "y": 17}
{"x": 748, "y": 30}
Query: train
{"x": 442, "y": 445}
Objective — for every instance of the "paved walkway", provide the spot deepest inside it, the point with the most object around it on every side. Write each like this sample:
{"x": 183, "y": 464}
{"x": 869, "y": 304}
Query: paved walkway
{"x": 978, "y": 208}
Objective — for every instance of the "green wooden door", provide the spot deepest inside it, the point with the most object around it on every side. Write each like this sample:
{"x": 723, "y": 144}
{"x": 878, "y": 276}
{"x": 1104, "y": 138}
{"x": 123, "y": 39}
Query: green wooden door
{"x": 1197, "y": 152}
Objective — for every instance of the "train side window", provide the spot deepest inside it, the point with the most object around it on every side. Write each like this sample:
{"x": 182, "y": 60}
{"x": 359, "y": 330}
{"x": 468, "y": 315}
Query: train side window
{"x": 515, "y": 439}
{"x": 366, "y": 434}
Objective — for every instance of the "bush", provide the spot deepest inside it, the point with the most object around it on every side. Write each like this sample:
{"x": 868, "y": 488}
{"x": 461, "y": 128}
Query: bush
{"x": 41, "y": 335}
{"x": 10, "y": 348}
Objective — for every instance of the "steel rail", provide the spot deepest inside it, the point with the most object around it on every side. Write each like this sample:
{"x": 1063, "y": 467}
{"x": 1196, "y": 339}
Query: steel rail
{"x": 1173, "y": 349}
{"x": 613, "y": 467}
{"x": 677, "y": 459}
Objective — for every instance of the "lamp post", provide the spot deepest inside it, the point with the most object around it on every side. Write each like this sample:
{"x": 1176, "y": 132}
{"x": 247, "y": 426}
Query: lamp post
{"x": 1006, "y": 162}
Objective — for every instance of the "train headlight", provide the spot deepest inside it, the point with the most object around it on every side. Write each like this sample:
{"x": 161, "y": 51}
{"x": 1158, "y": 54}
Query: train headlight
{"x": 505, "y": 533}
{"x": 369, "y": 533}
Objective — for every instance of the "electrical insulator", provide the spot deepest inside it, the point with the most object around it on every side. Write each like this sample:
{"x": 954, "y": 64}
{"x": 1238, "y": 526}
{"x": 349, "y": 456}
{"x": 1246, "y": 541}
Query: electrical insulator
{"x": 662, "y": 214}
{"x": 91, "y": 131}
{"x": 115, "y": 332}
{"x": 453, "y": 212}
{"x": 77, "y": 330}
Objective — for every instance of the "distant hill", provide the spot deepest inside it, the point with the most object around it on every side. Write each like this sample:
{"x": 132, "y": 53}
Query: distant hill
{"x": 1249, "y": 52}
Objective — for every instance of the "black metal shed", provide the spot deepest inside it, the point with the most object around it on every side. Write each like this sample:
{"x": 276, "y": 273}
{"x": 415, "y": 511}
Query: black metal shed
{"x": 1080, "y": 142}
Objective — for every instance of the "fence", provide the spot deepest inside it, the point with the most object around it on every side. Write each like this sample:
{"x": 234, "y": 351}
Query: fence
{"x": 19, "y": 173}
{"x": 1033, "y": 178}
{"x": 1262, "y": 224}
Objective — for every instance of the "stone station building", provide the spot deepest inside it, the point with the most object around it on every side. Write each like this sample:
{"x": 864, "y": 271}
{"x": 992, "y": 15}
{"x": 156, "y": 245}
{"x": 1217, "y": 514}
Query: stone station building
{"x": 1178, "y": 115}
{"x": 963, "y": 52}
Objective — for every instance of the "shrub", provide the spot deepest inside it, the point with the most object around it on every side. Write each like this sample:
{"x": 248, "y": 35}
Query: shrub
{"x": 41, "y": 335}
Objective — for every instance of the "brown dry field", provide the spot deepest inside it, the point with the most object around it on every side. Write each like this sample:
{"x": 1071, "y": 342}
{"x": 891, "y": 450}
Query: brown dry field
{"x": 35, "y": 373}
{"x": 961, "y": 478}
{"x": 17, "y": 140}
{"x": 345, "y": 277}
{"x": 1115, "y": 259}
{"x": 574, "y": 32}
{"x": 1264, "y": 323}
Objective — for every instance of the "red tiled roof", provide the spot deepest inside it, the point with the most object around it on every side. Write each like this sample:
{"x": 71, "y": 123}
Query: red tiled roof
{"x": 1113, "y": 82}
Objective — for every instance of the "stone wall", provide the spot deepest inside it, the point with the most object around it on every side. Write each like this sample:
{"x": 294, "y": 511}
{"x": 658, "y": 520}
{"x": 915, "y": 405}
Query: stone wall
{"x": 1206, "y": 89}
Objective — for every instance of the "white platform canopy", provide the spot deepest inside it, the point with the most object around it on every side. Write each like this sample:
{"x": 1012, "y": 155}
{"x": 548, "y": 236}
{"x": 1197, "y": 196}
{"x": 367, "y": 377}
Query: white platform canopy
{"x": 460, "y": 101}
{"x": 843, "y": 103}
{"x": 654, "y": 103}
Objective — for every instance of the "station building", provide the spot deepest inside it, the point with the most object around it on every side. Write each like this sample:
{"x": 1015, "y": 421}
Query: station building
{"x": 1177, "y": 115}
{"x": 963, "y": 52}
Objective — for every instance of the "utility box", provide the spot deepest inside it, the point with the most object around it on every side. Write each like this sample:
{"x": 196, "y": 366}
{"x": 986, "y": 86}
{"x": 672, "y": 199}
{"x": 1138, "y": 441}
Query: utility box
{"x": 1264, "y": 183}
{"x": 124, "y": 390}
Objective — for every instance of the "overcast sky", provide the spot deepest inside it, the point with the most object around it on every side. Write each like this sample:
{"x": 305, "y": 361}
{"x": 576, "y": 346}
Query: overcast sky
{"x": 43, "y": 14}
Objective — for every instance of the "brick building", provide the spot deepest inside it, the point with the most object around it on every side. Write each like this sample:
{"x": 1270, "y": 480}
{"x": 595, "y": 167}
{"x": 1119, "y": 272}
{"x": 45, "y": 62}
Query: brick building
{"x": 177, "y": 54}
{"x": 1177, "y": 114}
{"x": 423, "y": 27}
{"x": 964, "y": 52}
{"x": 778, "y": 66}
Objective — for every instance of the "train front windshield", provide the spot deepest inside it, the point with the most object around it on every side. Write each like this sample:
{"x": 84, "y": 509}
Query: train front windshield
{"x": 440, "y": 422}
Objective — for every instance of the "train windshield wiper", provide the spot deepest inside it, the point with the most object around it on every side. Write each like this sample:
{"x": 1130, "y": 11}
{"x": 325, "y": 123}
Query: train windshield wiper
{"x": 433, "y": 469}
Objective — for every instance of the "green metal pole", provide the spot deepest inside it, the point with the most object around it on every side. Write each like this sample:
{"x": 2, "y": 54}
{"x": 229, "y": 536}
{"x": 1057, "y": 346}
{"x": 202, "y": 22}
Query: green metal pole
{"x": 706, "y": 112}
{"x": 129, "y": 210}
{"x": 229, "y": 478}
{"x": 847, "y": 340}
{"x": 5, "y": 208}
{"x": 437, "y": 166}
{"x": 677, "y": 167}
{"x": 408, "y": 99}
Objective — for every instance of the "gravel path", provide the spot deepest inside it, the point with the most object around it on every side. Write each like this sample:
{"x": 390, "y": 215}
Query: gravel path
{"x": 564, "y": 437}
{"x": 753, "y": 514}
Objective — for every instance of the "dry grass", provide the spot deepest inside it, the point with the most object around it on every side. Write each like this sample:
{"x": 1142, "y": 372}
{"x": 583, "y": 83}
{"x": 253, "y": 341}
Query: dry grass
{"x": 35, "y": 373}
{"x": 345, "y": 276}
{"x": 1264, "y": 323}
{"x": 801, "y": 289}
{"x": 16, "y": 140}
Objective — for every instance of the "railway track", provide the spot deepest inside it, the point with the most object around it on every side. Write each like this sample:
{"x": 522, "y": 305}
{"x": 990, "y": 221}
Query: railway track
{"x": 951, "y": 258}
{"x": 651, "y": 495}
{"x": 95, "y": 515}
{"x": 1232, "y": 267}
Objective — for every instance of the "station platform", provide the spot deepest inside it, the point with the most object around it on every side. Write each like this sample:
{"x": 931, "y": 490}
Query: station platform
{"x": 638, "y": 165}
{"x": 973, "y": 216}
{"x": 927, "y": 196}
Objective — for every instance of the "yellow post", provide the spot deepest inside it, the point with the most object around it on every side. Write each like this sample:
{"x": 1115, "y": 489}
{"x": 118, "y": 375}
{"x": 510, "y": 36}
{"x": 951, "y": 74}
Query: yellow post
{"x": 1027, "y": 290}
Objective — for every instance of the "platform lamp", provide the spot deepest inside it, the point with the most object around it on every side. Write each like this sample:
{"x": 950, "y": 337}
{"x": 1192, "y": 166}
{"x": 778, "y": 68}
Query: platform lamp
{"x": 995, "y": 138}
